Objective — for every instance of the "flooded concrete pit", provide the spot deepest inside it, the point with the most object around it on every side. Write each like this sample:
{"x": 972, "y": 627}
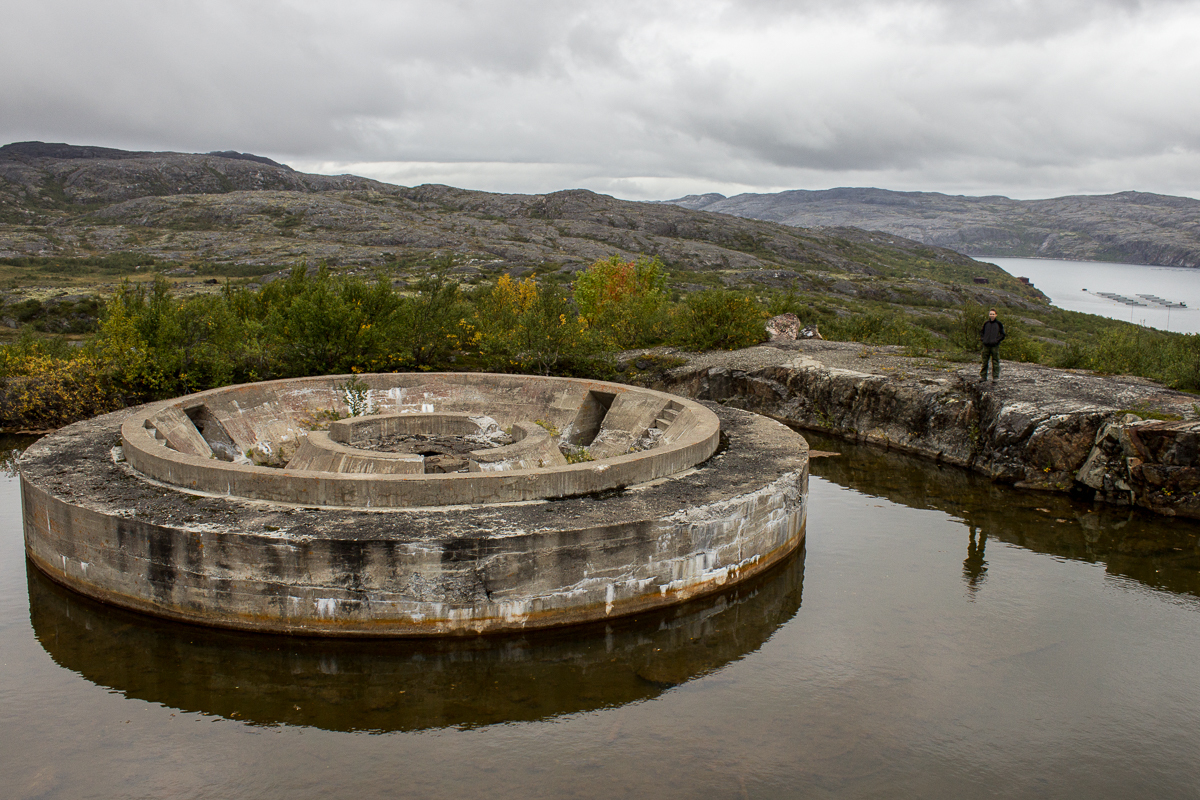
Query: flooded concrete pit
{"x": 256, "y": 507}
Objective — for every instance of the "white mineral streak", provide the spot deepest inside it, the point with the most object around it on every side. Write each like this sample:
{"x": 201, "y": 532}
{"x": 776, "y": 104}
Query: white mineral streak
{"x": 327, "y": 608}
{"x": 515, "y": 610}
{"x": 837, "y": 372}
{"x": 496, "y": 466}
{"x": 726, "y": 522}
{"x": 279, "y": 534}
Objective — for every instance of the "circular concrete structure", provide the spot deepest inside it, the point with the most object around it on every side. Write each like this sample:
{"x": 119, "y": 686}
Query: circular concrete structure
{"x": 459, "y": 503}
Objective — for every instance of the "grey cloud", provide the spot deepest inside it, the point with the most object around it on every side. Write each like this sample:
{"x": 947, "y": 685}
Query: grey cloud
{"x": 738, "y": 93}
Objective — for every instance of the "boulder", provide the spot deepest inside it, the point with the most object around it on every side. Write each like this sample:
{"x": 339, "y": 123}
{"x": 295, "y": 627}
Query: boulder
{"x": 783, "y": 328}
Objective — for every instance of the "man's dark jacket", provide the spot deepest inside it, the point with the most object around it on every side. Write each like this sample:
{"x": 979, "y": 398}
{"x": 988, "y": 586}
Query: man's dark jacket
{"x": 993, "y": 332}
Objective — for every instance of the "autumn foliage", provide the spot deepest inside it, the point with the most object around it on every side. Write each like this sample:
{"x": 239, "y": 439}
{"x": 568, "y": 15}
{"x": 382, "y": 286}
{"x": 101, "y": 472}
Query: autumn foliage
{"x": 152, "y": 343}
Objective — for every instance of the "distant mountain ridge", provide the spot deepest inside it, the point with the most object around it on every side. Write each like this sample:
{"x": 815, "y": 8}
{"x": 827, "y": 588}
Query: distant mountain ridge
{"x": 45, "y": 175}
{"x": 61, "y": 201}
{"x": 1134, "y": 227}
{"x": 28, "y": 151}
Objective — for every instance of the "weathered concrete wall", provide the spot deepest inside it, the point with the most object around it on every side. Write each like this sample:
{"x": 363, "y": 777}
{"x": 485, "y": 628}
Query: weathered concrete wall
{"x": 534, "y": 448}
{"x": 94, "y": 524}
{"x": 319, "y": 453}
{"x": 276, "y": 412}
{"x": 1038, "y": 428}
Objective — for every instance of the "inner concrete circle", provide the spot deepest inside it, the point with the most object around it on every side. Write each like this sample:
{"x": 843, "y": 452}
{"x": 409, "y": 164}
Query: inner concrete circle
{"x": 227, "y": 440}
{"x": 526, "y": 502}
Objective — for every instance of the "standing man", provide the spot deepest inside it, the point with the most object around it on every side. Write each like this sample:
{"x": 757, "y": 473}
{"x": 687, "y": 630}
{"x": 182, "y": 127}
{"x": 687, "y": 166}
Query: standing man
{"x": 991, "y": 335}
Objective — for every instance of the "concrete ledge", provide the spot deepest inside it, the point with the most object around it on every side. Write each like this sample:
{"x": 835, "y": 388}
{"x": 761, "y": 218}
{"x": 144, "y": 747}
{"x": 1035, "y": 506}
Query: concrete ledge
{"x": 534, "y": 448}
{"x": 318, "y": 453}
{"x": 359, "y": 429}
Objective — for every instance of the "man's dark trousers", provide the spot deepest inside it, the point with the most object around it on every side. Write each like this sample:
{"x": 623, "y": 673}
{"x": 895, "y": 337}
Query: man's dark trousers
{"x": 990, "y": 351}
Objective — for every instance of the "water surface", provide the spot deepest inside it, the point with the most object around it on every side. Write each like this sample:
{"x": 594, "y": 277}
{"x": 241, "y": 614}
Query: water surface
{"x": 939, "y": 637}
{"x": 1065, "y": 282}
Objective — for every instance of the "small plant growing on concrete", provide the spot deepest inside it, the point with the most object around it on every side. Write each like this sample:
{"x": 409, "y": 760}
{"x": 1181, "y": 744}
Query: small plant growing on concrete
{"x": 553, "y": 431}
{"x": 575, "y": 455}
{"x": 358, "y": 397}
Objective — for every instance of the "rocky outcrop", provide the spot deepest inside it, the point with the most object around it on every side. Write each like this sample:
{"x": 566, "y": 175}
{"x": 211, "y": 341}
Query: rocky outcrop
{"x": 1148, "y": 462}
{"x": 61, "y": 174}
{"x": 1037, "y": 428}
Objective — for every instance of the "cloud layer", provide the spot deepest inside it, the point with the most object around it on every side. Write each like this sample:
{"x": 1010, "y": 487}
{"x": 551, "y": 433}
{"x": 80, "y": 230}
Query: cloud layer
{"x": 640, "y": 100}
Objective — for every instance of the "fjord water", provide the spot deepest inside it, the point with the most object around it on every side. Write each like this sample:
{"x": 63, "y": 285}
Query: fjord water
{"x": 939, "y": 637}
{"x": 1064, "y": 283}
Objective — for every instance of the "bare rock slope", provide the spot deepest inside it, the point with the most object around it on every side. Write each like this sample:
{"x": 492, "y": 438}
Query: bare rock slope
{"x": 1133, "y": 227}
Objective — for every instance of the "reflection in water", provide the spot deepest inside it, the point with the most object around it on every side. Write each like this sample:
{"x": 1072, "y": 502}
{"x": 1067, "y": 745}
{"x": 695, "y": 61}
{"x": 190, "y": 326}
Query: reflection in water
{"x": 1160, "y": 552}
{"x": 389, "y": 685}
{"x": 975, "y": 564}
{"x": 888, "y": 683}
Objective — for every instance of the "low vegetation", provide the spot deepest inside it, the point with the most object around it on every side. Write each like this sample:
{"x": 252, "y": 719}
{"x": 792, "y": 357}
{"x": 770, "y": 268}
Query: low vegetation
{"x": 151, "y": 342}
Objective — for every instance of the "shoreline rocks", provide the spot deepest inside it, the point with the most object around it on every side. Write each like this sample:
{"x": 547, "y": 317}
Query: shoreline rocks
{"x": 1116, "y": 439}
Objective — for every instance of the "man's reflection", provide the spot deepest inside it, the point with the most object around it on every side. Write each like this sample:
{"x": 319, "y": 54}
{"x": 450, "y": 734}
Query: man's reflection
{"x": 975, "y": 567}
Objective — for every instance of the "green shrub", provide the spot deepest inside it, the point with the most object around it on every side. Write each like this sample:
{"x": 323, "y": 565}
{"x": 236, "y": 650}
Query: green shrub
{"x": 428, "y": 325}
{"x": 1171, "y": 359}
{"x": 889, "y": 327}
{"x": 46, "y": 383}
{"x": 1020, "y": 346}
{"x": 328, "y": 324}
{"x": 718, "y": 319}
{"x": 968, "y": 322}
{"x": 624, "y": 300}
{"x": 524, "y": 326}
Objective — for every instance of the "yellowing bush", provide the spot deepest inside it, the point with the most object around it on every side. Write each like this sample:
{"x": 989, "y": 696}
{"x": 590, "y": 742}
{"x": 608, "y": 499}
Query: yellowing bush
{"x": 40, "y": 391}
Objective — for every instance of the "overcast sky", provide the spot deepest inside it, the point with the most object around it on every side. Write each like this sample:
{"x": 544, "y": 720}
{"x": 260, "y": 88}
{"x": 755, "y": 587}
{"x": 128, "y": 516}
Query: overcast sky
{"x": 643, "y": 100}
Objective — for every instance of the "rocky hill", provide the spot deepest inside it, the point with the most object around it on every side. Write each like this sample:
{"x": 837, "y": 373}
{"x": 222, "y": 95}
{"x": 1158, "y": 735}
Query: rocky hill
{"x": 1131, "y": 227}
{"x": 60, "y": 201}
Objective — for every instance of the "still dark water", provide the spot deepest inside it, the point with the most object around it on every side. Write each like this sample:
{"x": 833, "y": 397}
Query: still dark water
{"x": 940, "y": 637}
